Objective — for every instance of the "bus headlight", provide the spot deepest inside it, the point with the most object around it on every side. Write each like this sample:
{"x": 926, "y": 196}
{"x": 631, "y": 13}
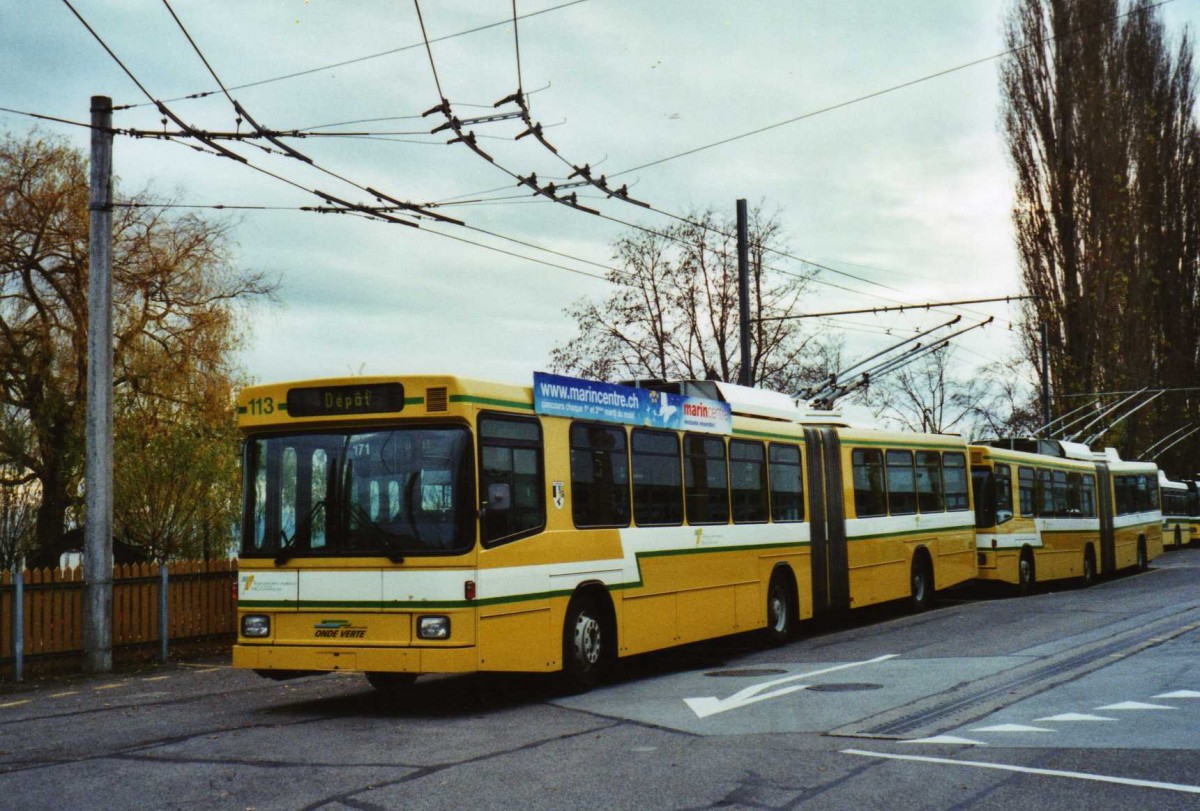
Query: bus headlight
{"x": 433, "y": 627}
{"x": 256, "y": 625}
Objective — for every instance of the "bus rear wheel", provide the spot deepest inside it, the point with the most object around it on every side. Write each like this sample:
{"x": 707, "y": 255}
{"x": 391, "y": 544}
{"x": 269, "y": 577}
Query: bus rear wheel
{"x": 1089, "y": 568}
{"x": 921, "y": 580}
{"x": 391, "y": 683}
{"x": 1026, "y": 573}
{"x": 781, "y": 613}
{"x": 584, "y": 646}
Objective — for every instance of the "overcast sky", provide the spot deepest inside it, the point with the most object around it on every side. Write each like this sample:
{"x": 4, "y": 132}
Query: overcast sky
{"x": 910, "y": 190}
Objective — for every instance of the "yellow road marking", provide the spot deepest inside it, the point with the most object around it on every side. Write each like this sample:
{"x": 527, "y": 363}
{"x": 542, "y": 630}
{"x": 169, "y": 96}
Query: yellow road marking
{"x": 68, "y": 693}
{"x": 16, "y": 703}
{"x": 155, "y": 678}
{"x": 108, "y": 686}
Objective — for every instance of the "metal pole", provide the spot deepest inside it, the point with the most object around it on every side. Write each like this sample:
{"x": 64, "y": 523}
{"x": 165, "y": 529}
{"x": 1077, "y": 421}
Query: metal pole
{"x": 746, "y": 378}
{"x": 19, "y": 619}
{"x": 1045, "y": 373}
{"x": 97, "y": 546}
{"x": 164, "y": 626}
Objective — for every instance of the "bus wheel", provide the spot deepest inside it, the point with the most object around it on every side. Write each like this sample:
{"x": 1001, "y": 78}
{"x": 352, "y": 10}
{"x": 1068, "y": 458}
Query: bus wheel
{"x": 391, "y": 683}
{"x": 583, "y": 646}
{"x": 781, "y": 614}
{"x": 921, "y": 580}
{"x": 1089, "y": 568}
{"x": 1143, "y": 562}
{"x": 1026, "y": 573}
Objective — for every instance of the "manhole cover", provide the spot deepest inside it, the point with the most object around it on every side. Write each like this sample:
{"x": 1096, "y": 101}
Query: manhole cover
{"x": 844, "y": 687}
{"x": 741, "y": 674}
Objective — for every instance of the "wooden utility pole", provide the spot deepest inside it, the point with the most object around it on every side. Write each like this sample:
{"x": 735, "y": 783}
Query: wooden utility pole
{"x": 98, "y": 471}
{"x": 746, "y": 377}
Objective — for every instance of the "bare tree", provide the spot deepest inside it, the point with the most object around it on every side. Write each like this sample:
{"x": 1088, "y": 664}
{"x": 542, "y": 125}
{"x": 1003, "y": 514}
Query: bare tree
{"x": 1101, "y": 126}
{"x": 673, "y": 312}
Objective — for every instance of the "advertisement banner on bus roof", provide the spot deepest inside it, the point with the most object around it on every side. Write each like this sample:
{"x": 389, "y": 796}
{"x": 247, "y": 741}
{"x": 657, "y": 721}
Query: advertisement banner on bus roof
{"x": 561, "y": 396}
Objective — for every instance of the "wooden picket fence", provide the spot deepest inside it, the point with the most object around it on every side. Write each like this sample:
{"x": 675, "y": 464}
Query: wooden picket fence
{"x": 200, "y": 606}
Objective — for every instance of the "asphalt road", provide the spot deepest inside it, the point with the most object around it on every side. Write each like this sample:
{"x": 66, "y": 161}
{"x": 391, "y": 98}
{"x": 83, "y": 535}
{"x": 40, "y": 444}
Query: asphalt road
{"x": 1067, "y": 699}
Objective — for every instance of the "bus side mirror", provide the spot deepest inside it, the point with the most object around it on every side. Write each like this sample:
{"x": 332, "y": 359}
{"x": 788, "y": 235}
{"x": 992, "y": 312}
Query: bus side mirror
{"x": 499, "y": 497}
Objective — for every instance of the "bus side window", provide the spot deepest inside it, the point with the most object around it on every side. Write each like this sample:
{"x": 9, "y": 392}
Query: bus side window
{"x": 705, "y": 479}
{"x": 955, "y": 468}
{"x": 1059, "y": 478}
{"x": 1004, "y": 499}
{"x": 1025, "y": 484}
{"x": 930, "y": 492}
{"x": 657, "y": 482}
{"x": 870, "y": 498}
{"x": 787, "y": 483}
{"x": 599, "y": 476}
{"x": 1074, "y": 494}
{"x": 901, "y": 483}
{"x": 510, "y": 453}
{"x": 1045, "y": 493}
{"x": 748, "y": 481}
{"x": 1088, "y": 504}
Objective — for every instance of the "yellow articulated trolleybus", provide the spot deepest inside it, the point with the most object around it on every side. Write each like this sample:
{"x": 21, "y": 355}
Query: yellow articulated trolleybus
{"x": 1181, "y": 511}
{"x": 1049, "y": 510}
{"x": 399, "y": 526}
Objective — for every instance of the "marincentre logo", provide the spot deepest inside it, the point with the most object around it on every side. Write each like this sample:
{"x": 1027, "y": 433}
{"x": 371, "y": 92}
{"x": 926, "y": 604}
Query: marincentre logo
{"x": 338, "y": 629}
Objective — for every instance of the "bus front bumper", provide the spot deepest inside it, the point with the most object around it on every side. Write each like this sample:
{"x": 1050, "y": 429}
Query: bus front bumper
{"x": 361, "y": 660}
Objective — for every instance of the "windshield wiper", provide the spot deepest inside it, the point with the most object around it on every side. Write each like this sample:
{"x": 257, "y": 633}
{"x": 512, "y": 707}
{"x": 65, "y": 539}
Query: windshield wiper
{"x": 285, "y": 548}
{"x": 386, "y": 539}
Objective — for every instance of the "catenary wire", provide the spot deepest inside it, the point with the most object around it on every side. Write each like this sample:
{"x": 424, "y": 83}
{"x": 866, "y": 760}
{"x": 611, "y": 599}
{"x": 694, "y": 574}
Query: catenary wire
{"x": 355, "y": 60}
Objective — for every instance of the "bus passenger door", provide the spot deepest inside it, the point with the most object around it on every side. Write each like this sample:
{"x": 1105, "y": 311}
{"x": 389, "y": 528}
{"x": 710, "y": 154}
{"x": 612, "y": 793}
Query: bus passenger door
{"x": 1108, "y": 539}
{"x": 830, "y": 568}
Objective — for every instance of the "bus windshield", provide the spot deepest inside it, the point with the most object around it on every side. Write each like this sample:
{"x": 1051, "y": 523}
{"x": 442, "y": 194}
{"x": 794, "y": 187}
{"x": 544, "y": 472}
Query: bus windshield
{"x": 396, "y": 492}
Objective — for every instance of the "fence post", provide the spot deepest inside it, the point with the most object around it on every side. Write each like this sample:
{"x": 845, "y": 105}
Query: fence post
{"x": 19, "y": 619}
{"x": 164, "y": 630}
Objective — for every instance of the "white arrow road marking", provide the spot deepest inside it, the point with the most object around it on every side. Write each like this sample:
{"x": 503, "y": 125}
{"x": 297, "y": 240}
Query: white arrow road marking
{"x": 1135, "y": 705}
{"x": 952, "y": 739}
{"x": 1101, "y": 778}
{"x": 1074, "y": 716}
{"x": 1011, "y": 728}
{"x": 711, "y": 705}
{"x": 1179, "y": 694}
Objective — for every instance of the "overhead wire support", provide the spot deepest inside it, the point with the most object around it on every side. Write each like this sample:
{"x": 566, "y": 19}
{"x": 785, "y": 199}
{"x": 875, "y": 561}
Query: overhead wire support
{"x": 1095, "y": 420}
{"x": 1154, "y": 446}
{"x": 1048, "y": 426}
{"x": 1126, "y": 415}
{"x": 933, "y": 305}
{"x": 842, "y": 373}
{"x": 271, "y": 137}
{"x": 891, "y": 365}
{"x": 1161, "y": 451}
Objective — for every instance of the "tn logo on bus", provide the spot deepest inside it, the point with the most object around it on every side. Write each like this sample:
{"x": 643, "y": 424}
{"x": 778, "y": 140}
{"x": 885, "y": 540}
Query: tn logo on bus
{"x": 339, "y": 629}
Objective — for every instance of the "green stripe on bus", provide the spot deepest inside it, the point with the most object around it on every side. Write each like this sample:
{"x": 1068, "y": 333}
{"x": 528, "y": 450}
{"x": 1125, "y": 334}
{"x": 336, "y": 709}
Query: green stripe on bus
{"x": 414, "y": 401}
{"x": 470, "y": 398}
{"x": 768, "y": 435}
{"x": 915, "y": 531}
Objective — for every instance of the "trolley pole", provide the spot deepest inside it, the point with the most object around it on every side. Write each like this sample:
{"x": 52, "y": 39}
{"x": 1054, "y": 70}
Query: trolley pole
{"x": 746, "y": 377}
{"x": 98, "y": 471}
{"x": 1045, "y": 331}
